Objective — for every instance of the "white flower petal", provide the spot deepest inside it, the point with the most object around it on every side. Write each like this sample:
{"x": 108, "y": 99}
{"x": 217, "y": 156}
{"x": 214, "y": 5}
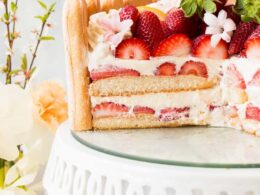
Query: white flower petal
{"x": 229, "y": 25}
{"x": 8, "y": 148}
{"x": 25, "y": 180}
{"x": 226, "y": 37}
{"x": 11, "y": 175}
{"x": 212, "y": 30}
{"x": 210, "y": 19}
{"x": 215, "y": 40}
{"x": 222, "y": 16}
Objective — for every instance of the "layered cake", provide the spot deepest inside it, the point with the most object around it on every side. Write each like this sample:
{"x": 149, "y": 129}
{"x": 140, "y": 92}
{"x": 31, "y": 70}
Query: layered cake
{"x": 169, "y": 63}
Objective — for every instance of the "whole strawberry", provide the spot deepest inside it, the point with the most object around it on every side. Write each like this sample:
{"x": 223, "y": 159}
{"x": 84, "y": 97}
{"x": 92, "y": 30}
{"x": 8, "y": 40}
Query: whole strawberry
{"x": 148, "y": 29}
{"x": 244, "y": 29}
{"x": 129, "y": 12}
{"x": 176, "y": 21}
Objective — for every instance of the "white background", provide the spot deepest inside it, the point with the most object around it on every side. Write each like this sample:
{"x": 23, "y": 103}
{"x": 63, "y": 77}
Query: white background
{"x": 51, "y": 58}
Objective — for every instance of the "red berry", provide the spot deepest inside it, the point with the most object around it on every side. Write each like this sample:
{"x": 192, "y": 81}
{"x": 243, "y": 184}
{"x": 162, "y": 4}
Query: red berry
{"x": 169, "y": 114}
{"x": 175, "y": 45}
{"x": 194, "y": 68}
{"x": 233, "y": 78}
{"x": 167, "y": 32}
{"x": 166, "y": 69}
{"x": 112, "y": 71}
{"x": 256, "y": 79}
{"x": 143, "y": 110}
{"x": 133, "y": 48}
{"x": 252, "y": 44}
{"x": 129, "y": 12}
{"x": 252, "y": 112}
{"x": 202, "y": 48}
{"x": 148, "y": 29}
{"x": 244, "y": 29}
{"x": 109, "y": 109}
{"x": 176, "y": 21}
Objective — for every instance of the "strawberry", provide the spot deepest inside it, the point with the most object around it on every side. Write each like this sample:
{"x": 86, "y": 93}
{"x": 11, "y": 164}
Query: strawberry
{"x": 133, "y": 48}
{"x": 169, "y": 114}
{"x": 109, "y": 109}
{"x": 233, "y": 78}
{"x": 252, "y": 112}
{"x": 143, "y": 110}
{"x": 175, "y": 45}
{"x": 167, "y": 32}
{"x": 194, "y": 68}
{"x": 166, "y": 69}
{"x": 176, "y": 21}
{"x": 202, "y": 48}
{"x": 129, "y": 12}
{"x": 112, "y": 71}
{"x": 148, "y": 28}
{"x": 244, "y": 29}
{"x": 252, "y": 44}
{"x": 256, "y": 79}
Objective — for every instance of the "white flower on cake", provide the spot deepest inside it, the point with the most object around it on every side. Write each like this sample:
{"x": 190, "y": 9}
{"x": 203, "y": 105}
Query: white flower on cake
{"x": 115, "y": 30}
{"x": 220, "y": 27}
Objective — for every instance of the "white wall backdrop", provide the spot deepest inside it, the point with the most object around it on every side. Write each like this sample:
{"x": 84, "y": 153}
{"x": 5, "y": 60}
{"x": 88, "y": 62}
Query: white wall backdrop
{"x": 51, "y": 58}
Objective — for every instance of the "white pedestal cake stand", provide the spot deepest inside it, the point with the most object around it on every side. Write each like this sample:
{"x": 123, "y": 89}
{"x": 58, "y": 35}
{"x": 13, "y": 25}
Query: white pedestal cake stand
{"x": 149, "y": 163}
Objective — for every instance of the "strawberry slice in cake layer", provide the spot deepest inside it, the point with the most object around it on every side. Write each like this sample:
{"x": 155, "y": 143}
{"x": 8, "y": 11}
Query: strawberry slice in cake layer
{"x": 159, "y": 65}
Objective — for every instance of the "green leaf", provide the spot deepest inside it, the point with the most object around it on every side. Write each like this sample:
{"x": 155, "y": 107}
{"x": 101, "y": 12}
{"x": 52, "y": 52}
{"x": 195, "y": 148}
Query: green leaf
{"x": 42, "y": 5}
{"x": 6, "y": 16}
{"x": 15, "y": 71}
{"x": 32, "y": 70}
{"x": 209, "y": 6}
{"x": 51, "y": 8}
{"x": 39, "y": 17}
{"x": 47, "y": 38}
{"x": 13, "y": 7}
{"x": 24, "y": 62}
{"x": 189, "y": 7}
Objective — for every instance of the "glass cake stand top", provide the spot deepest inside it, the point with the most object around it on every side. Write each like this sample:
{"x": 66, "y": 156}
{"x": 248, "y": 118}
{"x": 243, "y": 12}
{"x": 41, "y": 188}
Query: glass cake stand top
{"x": 186, "y": 146}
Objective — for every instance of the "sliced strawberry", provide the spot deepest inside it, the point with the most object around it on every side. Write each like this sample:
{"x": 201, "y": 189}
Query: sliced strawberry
{"x": 133, "y": 48}
{"x": 202, "y": 48}
{"x": 256, "y": 79}
{"x": 148, "y": 29}
{"x": 129, "y": 12}
{"x": 112, "y": 71}
{"x": 194, "y": 68}
{"x": 143, "y": 110}
{"x": 253, "y": 112}
{"x": 175, "y": 45}
{"x": 244, "y": 29}
{"x": 166, "y": 69}
{"x": 170, "y": 114}
{"x": 252, "y": 45}
{"x": 109, "y": 109}
{"x": 233, "y": 78}
{"x": 167, "y": 32}
{"x": 213, "y": 107}
{"x": 232, "y": 111}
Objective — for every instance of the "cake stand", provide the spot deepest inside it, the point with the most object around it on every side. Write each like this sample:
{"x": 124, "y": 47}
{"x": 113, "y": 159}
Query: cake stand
{"x": 183, "y": 161}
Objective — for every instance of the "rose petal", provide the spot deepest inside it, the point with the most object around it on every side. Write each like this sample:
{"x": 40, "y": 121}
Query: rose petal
{"x": 215, "y": 40}
{"x": 212, "y": 30}
{"x": 210, "y": 19}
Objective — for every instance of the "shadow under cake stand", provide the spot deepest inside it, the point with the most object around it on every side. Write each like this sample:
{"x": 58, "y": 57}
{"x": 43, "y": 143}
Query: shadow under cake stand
{"x": 180, "y": 161}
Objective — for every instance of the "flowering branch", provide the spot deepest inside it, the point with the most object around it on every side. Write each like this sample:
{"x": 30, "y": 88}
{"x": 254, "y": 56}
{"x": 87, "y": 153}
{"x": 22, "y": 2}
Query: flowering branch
{"x": 28, "y": 72}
